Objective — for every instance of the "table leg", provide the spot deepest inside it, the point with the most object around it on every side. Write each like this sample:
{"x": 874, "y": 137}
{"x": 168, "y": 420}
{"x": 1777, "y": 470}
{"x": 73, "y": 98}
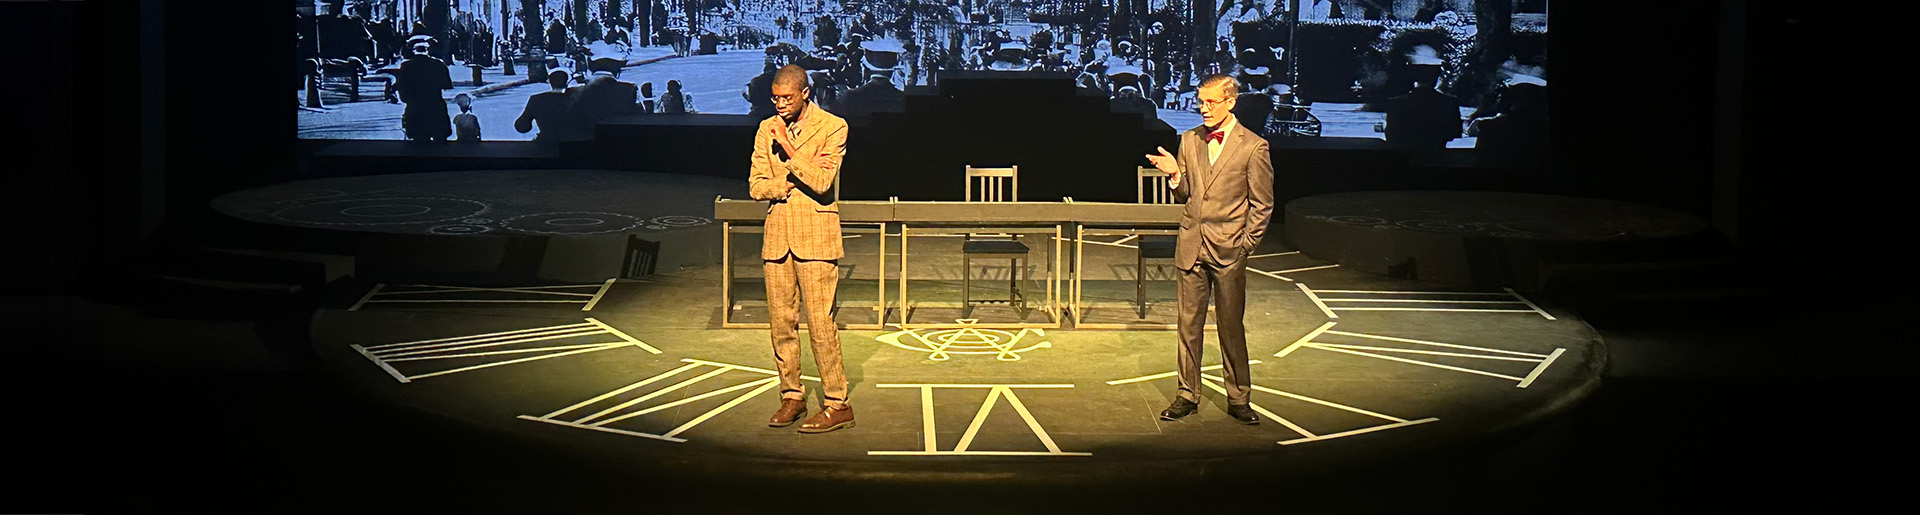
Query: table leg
{"x": 726, "y": 273}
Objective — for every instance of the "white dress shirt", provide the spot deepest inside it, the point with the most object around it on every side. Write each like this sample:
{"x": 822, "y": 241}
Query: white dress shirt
{"x": 1213, "y": 149}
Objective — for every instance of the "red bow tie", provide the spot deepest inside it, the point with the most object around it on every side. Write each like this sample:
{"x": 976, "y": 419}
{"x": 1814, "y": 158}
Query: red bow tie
{"x": 1217, "y": 136}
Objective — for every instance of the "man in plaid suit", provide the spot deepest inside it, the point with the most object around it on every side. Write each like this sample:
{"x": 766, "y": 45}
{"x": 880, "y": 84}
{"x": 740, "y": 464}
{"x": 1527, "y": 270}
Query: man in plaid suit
{"x": 796, "y": 166}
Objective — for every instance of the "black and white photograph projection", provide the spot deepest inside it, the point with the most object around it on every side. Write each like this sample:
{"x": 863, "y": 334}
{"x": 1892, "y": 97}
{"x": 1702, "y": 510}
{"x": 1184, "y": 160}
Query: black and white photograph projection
{"x": 1417, "y": 73}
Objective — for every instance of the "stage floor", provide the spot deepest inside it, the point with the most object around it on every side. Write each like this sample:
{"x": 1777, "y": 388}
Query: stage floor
{"x": 492, "y": 302}
{"x": 646, "y": 377}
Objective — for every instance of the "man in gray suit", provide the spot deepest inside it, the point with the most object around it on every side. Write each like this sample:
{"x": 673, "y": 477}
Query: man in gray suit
{"x": 1224, "y": 175}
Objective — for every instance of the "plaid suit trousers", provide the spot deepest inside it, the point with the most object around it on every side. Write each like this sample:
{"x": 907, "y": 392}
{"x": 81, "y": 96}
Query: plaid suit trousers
{"x": 790, "y": 280}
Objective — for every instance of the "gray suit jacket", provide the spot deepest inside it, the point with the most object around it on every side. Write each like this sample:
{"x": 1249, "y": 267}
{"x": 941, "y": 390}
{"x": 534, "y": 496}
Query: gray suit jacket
{"x": 1228, "y": 203}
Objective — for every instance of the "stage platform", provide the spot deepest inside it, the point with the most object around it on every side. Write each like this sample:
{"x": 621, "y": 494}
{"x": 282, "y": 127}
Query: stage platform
{"x": 453, "y": 318}
{"x": 1490, "y": 239}
{"x": 372, "y": 157}
{"x": 493, "y": 226}
{"x": 639, "y": 373}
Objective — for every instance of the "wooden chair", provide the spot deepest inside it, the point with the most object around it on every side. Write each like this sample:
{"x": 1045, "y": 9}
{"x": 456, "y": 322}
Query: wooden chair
{"x": 992, "y": 185}
{"x": 1151, "y": 188}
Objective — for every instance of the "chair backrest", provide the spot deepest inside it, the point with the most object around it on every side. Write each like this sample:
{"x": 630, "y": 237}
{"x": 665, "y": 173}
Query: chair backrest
{"x": 1151, "y": 186}
{"x": 642, "y": 257}
{"x": 993, "y": 184}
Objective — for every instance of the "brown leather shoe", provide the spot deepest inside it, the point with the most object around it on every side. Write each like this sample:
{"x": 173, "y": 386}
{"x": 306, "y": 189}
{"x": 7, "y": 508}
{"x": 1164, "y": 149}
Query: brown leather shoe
{"x": 828, "y": 419}
{"x": 790, "y": 411}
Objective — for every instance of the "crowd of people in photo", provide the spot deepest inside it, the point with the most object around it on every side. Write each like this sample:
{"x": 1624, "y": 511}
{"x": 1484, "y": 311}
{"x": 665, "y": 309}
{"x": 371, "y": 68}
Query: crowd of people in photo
{"x": 1144, "y": 63}
{"x": 863, "y": 59}
{"x": 580, "y": 65}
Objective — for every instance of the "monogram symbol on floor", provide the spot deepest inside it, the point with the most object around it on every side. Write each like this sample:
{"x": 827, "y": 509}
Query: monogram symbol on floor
{"x": 941, "y": 345}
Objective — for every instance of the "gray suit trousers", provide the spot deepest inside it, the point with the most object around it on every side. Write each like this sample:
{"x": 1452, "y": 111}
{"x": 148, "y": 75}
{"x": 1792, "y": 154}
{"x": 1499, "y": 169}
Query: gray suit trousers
{"x": 1227, "y": 287}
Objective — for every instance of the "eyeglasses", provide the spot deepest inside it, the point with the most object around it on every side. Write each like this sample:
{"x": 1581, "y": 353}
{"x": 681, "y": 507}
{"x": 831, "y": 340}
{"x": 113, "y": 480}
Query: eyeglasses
{"x": 1205, "y": 104}
{"x": 786, "y": 99}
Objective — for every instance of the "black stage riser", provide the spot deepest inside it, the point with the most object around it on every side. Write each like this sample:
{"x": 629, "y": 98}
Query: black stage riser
{"x": 1486, "y": 239}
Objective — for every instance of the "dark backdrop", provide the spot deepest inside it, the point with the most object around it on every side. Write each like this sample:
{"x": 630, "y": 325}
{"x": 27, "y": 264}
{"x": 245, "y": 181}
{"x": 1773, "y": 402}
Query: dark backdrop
{"x": 1633, "y": 107}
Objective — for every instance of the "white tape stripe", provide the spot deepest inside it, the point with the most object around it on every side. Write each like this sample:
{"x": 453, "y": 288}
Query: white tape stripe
{"x": 771, "y": 382}
{"x": 1322, "y": 345}
{"x": 595, "y": 301}
{"x": 622, "y": 334}
{"x": 511, "y": 289}
{"x": 1283, "y": 421}
{"x": 1384, "y": 427}
{"x": 1389, "y": 292}
{"x": 915, "y": 385}
{"x": 926, "y": 419}
{"x": 1535, "y": 374}
{"x": 1307, "y": 269}
{"x": 391, "y": 293}
{"x": 503, "y": 363}
{"x": 1421, "y": 363}
{"x": 625, "y": 389}
{"x": 1461, "y": 310}
{"x": 743, "y": 367}
{"x": 696, "y": 398}
{"x": 1352, "y": 409}
{"x": 1270, "y": 274}
{"x": 1032, "y": 423}
{"x": 602, "y": 429}
{"x": 975, "y": 453}
{"x": 1316, "y": 301}
{"x": 515, "y": 351}
{"x": 487, "y": 301}
{"x": 979, "y": 418}
{"x": 383, "y": 365}
{"x": 1426, "y": 301}
{"x": 1160, "y": 375}
{"x": 1424, "y": 342}
{"x": 1304, "y": 339}
{"x": 1529, "y": 303}
{"x": 369, "y": 295}
{"x": 490, "y": 336}
{"x": 650, "y": 396}
{"x": 455, "y": 346}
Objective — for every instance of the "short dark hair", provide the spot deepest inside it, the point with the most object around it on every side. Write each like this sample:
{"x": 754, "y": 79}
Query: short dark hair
{"x": 791, "y": 75}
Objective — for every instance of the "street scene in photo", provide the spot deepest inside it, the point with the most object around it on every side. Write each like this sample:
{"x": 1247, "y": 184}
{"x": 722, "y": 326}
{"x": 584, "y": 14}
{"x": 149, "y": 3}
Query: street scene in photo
{"x": 1307, "y": 68}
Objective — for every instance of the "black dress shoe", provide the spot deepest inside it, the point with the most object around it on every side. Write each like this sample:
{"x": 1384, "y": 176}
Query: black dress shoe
{"x": 1181, "y": 407}
{"x": 1242, "y": 413}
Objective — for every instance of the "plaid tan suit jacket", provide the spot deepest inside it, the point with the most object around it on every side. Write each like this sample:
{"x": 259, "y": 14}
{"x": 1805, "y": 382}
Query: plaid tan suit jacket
{"x": 806, "y": 222}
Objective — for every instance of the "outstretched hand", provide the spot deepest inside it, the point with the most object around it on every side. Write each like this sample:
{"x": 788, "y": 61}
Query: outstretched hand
{"x": 1166, "y": 163}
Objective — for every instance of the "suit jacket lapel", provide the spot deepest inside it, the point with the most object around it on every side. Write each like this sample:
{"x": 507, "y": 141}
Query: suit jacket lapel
{"x": 1204, "y": 179}
{"x": 808, "y": 127}
{"x": 1235, "y": 145}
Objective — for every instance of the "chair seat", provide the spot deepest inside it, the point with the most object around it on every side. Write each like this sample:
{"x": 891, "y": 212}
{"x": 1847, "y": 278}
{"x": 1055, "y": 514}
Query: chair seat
{"x": 993, "y": 247}
{"x": 1157, "y": 247}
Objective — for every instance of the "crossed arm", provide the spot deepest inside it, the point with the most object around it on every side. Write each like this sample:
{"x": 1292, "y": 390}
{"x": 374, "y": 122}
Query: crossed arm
{"x": 774, "y": 178}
